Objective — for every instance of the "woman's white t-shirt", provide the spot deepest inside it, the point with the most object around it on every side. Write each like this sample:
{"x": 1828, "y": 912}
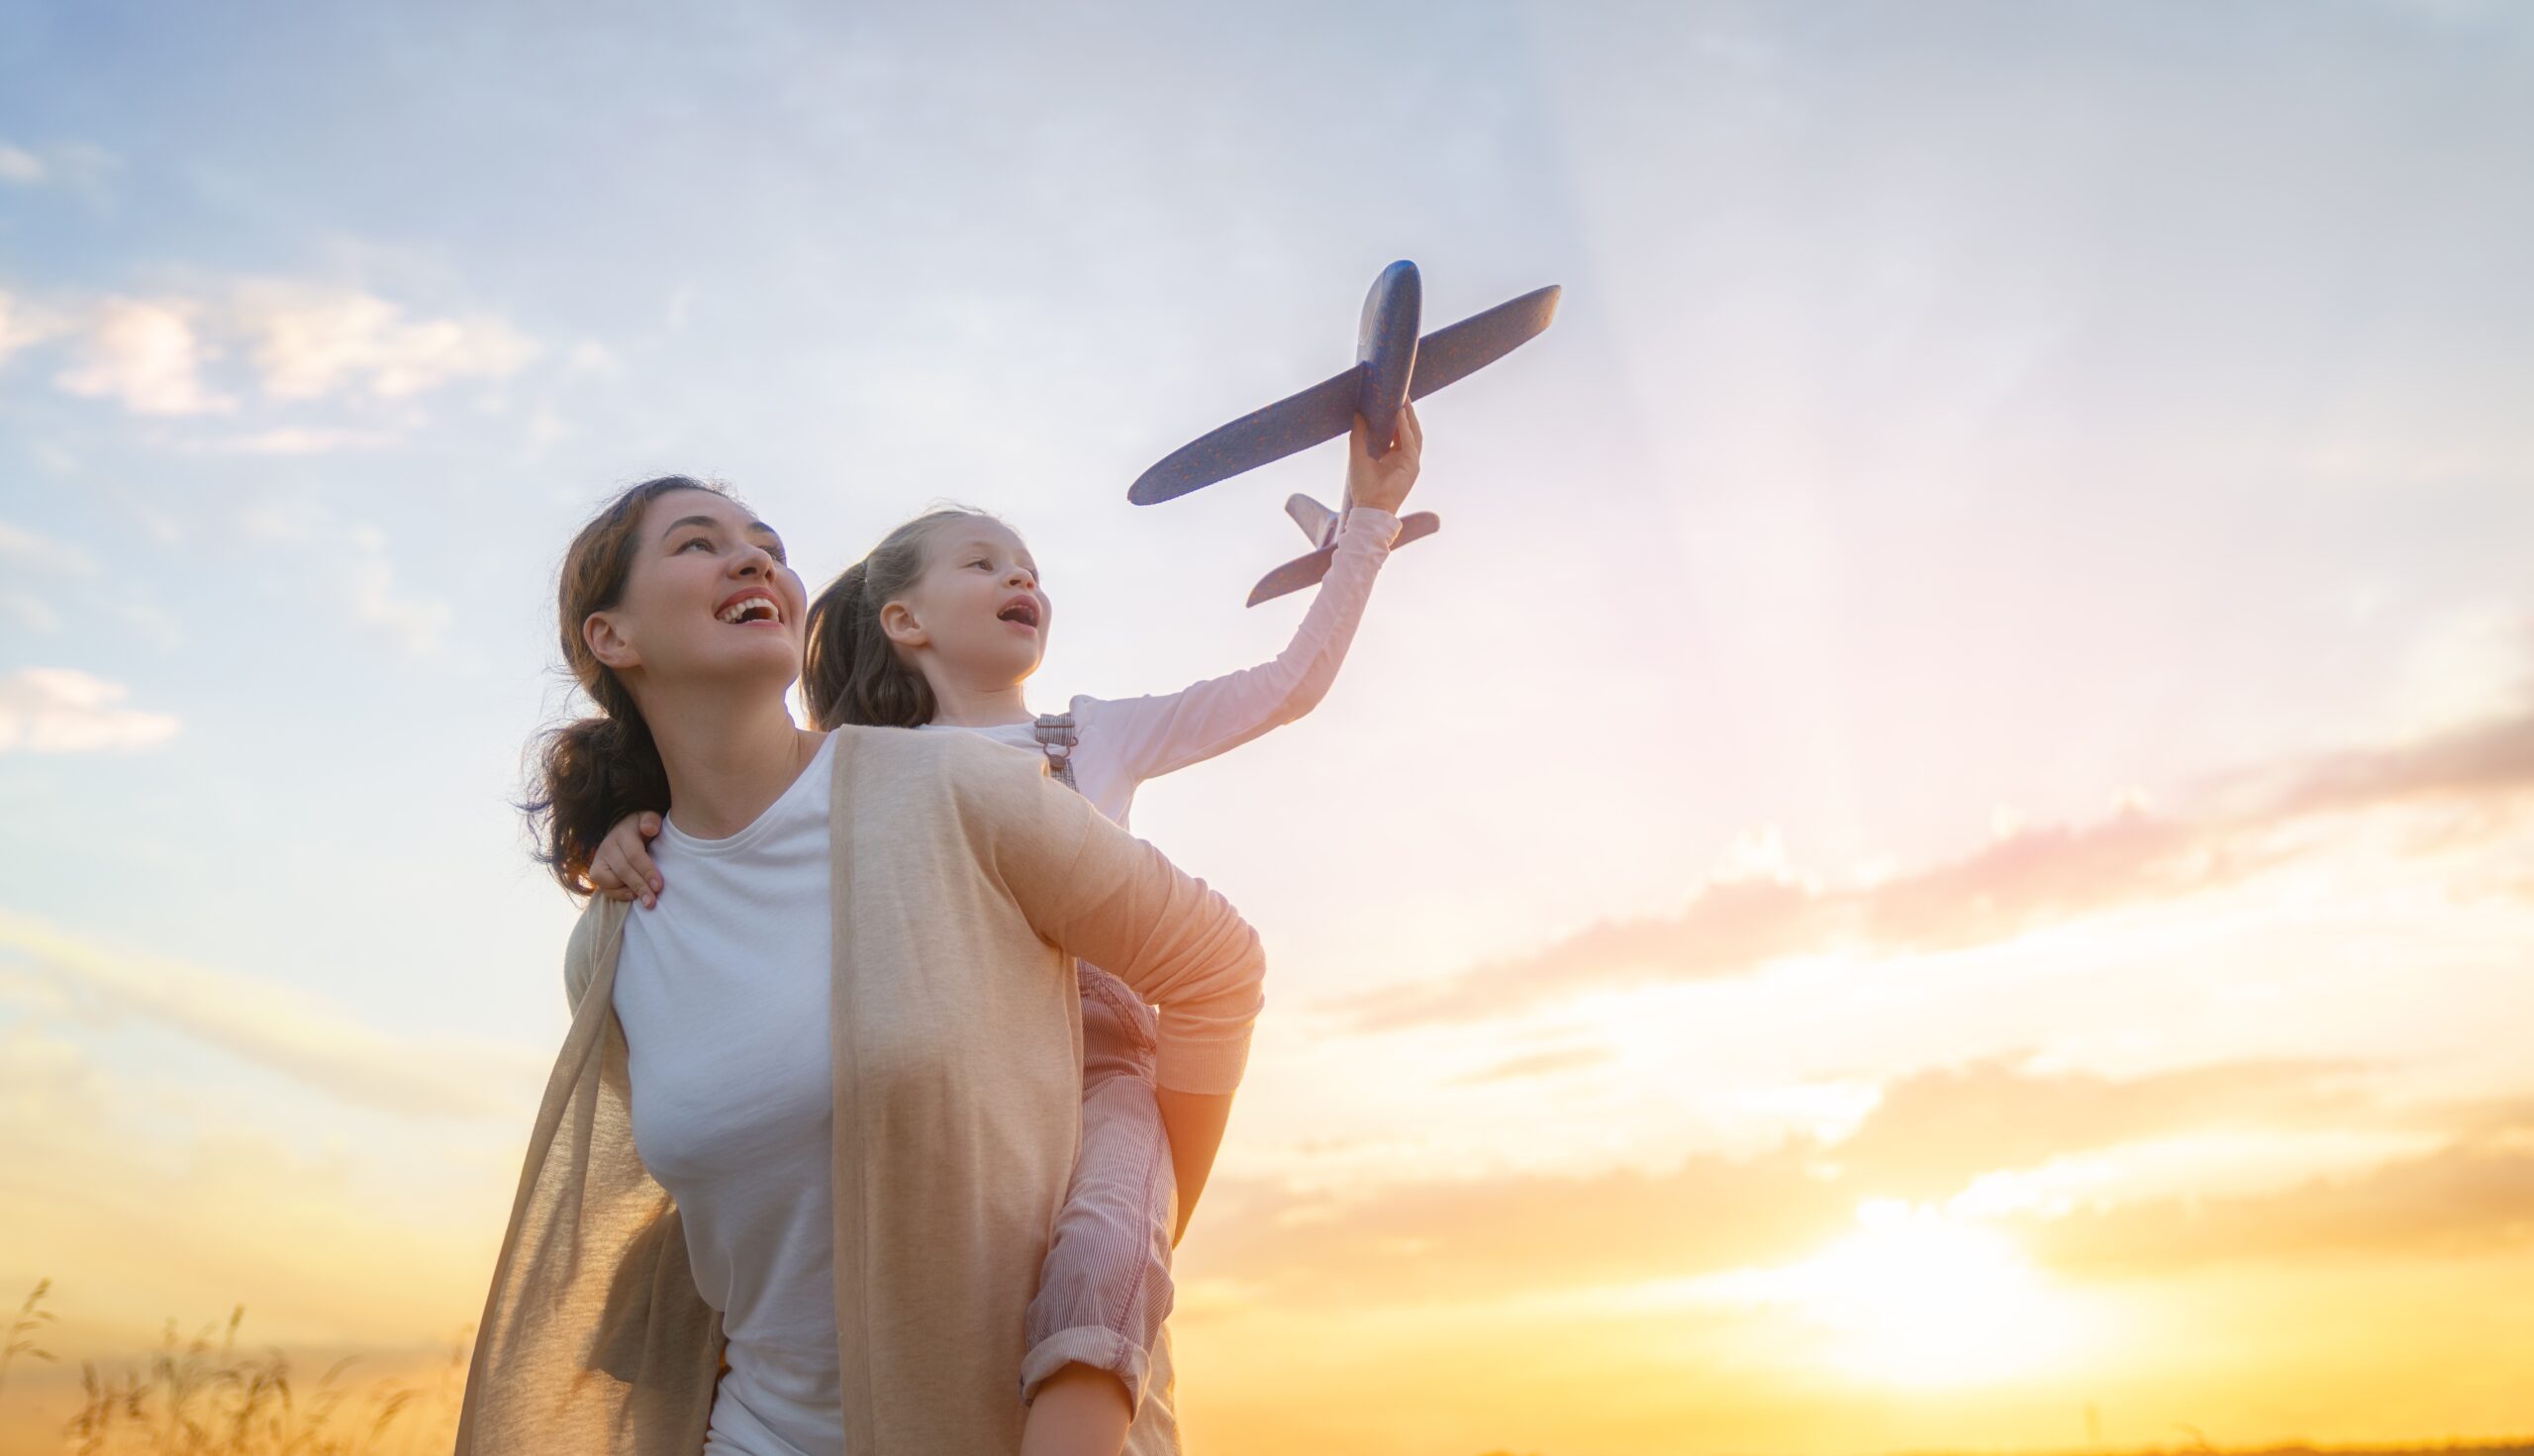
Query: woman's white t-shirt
{"x": 723, "y": 991}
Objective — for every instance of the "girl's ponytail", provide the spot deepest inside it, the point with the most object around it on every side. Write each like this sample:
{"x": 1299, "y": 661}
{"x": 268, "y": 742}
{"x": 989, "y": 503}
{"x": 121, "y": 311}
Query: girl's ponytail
{"x": 852, "y": 672}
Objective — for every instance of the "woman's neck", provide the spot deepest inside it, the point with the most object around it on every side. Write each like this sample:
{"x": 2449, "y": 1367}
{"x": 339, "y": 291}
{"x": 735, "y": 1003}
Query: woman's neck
{"x": 727, "y": 760}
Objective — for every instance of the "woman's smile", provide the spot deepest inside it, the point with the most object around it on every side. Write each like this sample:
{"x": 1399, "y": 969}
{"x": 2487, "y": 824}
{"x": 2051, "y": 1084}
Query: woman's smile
{"x": 751, "y": 607}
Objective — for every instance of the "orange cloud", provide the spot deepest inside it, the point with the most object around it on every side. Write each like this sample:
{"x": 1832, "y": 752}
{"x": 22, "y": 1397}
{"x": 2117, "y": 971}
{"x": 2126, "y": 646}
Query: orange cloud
{"x": 1519, "y": 1233}
{"x": 1935, "y": 1130}
{"x": 2471, "y": 1196}
{"x": 1932, "y": 1134}
{"x": 2031, "y": 878}
{"x": 1540, "y": 1064}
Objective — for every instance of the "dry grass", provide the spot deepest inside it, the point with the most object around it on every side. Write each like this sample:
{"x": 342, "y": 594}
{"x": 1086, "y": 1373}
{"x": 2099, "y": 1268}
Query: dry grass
{"x": 204, "y": 1397}
{"x": 195, "y": 1398}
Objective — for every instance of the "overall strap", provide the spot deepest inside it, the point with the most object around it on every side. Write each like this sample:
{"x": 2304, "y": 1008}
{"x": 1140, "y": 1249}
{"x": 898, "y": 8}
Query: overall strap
{"x": 1056, "y": 738}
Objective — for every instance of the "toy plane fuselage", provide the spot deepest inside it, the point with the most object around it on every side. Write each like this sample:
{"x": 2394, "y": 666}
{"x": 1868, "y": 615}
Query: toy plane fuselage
{"x": 1393, "y": 366}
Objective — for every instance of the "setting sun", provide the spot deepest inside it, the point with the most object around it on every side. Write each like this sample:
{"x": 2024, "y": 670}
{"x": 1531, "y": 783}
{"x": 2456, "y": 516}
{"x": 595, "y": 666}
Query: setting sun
{"x": 1919, "y": 1299}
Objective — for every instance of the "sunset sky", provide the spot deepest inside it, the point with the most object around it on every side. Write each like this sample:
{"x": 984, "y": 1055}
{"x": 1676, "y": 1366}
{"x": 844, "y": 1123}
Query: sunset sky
{"x": 1955, "y": 859}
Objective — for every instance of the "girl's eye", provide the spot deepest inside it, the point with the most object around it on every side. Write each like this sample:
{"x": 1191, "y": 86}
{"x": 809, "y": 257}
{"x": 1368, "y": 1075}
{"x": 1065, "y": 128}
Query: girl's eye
{"x": 701, "y": 540}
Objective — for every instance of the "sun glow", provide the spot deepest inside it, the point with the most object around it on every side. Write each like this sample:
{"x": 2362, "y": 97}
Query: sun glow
{"x": 1918, "y": 1299}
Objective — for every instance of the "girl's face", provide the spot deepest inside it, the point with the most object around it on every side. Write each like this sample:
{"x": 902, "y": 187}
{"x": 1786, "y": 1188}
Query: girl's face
{"x": 708, "y": 598}
{"x": 977, "y": 606}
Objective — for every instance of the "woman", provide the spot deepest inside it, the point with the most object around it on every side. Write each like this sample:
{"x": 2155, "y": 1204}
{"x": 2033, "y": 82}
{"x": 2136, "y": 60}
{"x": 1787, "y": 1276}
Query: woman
{"x": 932, "y": 943}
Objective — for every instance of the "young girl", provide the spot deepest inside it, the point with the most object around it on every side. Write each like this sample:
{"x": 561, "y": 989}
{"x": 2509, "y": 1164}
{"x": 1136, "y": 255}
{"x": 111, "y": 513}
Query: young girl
{"x": 937, "y": 629}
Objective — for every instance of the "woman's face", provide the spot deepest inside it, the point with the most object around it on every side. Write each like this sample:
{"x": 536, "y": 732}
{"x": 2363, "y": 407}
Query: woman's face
{"x": 978, "y": 605}
{"x": 709, "y": 599}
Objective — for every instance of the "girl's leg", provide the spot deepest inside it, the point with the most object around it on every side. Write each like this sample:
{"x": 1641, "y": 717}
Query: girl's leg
{"x": 1105, "y": 1286}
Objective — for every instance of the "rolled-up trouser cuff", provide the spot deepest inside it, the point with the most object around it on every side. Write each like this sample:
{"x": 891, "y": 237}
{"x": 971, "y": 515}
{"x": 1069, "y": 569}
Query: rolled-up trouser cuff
{"x": 1105, "y": 1286}
{"x": 1092, "y": 1345}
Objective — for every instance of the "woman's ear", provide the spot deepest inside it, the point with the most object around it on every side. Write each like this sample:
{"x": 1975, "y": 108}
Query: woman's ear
{"x": 607, "y": 643}
{"x": 898, "y": 626}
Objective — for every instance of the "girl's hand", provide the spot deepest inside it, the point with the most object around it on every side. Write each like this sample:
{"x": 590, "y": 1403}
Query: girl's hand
{"x": 1382, "y": 484}
{"x": 622, "y": 870}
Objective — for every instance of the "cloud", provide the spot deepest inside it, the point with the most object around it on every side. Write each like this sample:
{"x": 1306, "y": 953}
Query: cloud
{"x": 309, "y": 343}
{"x": 1733, "y": 926}
{"x": 21, "y": 325}
{"x": 59, "y": 709}
{"x": 274, "y": 1028}
{"x": 357, "y": 568}
{"x": 412, "y": 624}
{"x": 1935, "y": 1130}
{"x": 295, "y": 440}
{"x": 1540, "y": 1064}
{"x": 145, "y": 354}
{"x": 1932, "y": 1134}
{"x": 19, "y": 546}
{"x": 28, "y": 613}
{"x": 76, "y": 165}
{"x": 2470, "y": 761}
{"x": 2471, "y": 1196}
{"x": 2029, "y": 876}
{"x": 304, "y": 343}
{"x": 1519, "y": 1233}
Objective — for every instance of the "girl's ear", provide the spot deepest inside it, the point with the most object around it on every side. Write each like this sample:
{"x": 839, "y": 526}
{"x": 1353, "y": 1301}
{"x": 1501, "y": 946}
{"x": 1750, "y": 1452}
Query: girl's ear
{"x": 607, "y": 643}
{"x": 898, "y": 624}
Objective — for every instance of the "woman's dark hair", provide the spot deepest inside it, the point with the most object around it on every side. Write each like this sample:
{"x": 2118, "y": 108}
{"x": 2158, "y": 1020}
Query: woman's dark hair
{"x": 594, "y": 771}
{"x": 850, "y": 671}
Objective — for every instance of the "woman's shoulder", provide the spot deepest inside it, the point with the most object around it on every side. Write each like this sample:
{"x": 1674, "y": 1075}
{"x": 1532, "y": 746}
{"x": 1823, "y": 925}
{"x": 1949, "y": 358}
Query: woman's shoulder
{"x": 970, "y": 762}
{"x": 594, "y": 932}
{"x": 953, "y": 787}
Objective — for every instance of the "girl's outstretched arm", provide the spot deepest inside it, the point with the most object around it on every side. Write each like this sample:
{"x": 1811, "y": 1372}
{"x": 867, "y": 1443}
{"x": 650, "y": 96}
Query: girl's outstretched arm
{"x": 1155, "y": 735}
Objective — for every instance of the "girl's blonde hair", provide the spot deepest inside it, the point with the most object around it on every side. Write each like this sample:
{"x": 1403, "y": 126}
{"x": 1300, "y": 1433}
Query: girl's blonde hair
{"x": 850, "y": 671}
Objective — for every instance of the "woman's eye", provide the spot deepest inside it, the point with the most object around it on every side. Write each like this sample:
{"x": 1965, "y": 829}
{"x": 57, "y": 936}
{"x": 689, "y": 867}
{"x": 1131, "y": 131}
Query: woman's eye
{"x": 701, "y": 540}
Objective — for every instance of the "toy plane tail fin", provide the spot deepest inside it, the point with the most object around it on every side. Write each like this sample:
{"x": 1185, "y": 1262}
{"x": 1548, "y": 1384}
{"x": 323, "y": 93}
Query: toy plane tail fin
{"x": 1317, "y": 521}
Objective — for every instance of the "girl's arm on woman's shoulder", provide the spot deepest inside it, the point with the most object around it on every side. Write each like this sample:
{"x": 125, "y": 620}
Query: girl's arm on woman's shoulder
{"x": 1151, "y": 736}
{"x": 1098, "y": 892}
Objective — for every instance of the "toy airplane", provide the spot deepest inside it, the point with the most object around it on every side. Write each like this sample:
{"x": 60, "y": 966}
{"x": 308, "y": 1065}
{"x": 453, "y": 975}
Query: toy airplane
{"x": 1391, "y": 366}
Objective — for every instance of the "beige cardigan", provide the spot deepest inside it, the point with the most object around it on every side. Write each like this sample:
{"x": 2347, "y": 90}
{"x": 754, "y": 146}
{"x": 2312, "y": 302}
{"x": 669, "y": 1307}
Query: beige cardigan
{"x": 964, "y": 881}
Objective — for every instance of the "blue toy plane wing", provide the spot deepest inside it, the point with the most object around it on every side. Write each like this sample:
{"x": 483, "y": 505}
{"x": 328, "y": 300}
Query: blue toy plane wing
{"x": 1462, "y": 349}
{"x": 1325, "y": 411}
